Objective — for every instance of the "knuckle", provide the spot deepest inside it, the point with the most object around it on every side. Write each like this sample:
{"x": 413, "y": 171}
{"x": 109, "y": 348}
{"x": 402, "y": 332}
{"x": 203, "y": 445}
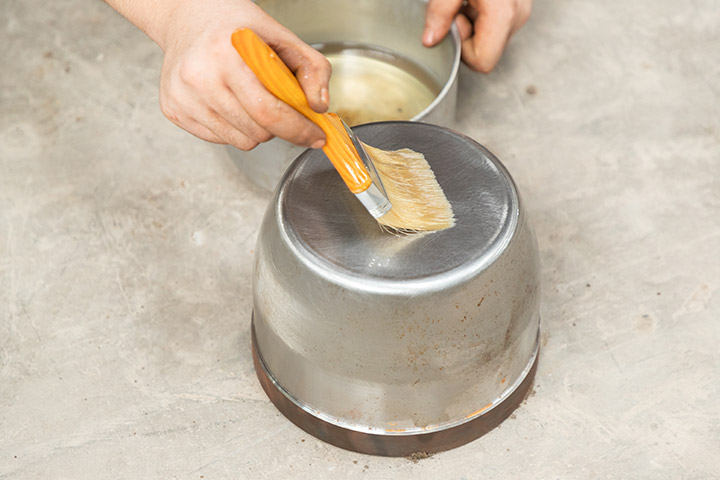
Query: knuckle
{"x": 254, "y": 132}
{"x": 262, "y": 136}
{"x": 325, "y": 66}
{"x": 320, "y": 62}
{"x": 169, "y": 112}
{"x": 218, "y": 43}
{"x": 312, "y": 61}
{"x": 191, "y": 73}
{"x": 268, "y": 116}
{"x": 244, "y": 143}
{"x": 173, "y": 117}
{"x": 481, "y": 65}
{"x": 484, "y": 67}
{"x": 307, "y": 136}
{"x": 245, "y": 125}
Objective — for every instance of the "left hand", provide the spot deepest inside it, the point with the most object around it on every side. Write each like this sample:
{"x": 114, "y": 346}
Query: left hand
{"x": 485, "y": 27}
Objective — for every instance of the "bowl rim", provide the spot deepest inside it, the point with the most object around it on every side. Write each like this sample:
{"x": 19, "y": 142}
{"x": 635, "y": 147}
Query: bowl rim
{"x": 454, "y": 34}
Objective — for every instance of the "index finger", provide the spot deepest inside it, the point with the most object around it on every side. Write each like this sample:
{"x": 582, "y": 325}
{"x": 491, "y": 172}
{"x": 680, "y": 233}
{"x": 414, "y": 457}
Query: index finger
{"x": 438, "y": 20}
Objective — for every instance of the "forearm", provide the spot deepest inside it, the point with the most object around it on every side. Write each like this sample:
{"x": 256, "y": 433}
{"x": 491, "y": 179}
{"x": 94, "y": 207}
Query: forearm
{"x": 150, "y": 16}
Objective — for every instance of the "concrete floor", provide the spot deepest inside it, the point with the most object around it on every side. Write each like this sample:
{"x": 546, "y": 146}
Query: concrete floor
{"x": 126, "y": 251}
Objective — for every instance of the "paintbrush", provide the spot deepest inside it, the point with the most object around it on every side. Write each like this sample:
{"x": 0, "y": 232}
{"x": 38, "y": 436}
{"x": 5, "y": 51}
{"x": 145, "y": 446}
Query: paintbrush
{"x": 398, "y": 188}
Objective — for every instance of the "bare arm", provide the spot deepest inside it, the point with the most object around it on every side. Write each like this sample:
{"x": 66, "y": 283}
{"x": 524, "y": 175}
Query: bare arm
{"x": 206, "y": 88}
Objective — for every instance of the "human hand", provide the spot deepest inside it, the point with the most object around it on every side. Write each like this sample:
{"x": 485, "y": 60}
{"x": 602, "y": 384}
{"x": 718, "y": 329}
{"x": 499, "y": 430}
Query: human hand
{"x": 206, "y": 88}
{"x": 485, "y": 27}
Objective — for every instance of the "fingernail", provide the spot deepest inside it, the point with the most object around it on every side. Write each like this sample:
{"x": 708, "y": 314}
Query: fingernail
{"x": 318, "y": 144}
{"x": 325, "y": 96}
{"x": 428, "y": 37}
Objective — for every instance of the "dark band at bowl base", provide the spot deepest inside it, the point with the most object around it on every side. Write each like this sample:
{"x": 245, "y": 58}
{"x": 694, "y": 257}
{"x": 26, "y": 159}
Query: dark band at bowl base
{"x": 392, "y": 445}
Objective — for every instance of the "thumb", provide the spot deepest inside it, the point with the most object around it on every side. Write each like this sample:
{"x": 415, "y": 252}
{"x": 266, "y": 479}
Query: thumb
{"x": 438, "y": 19}
{"x": 312, "y": 71}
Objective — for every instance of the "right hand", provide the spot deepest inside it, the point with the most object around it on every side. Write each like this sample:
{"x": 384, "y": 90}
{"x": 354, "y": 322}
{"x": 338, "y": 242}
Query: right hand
{"x": 207, "y": 89}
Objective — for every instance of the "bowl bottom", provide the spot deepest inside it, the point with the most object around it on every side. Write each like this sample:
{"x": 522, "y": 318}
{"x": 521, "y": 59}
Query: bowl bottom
{"x": 396, "y": 445}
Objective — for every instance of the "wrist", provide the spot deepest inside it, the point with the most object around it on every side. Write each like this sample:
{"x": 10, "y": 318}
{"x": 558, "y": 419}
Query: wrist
{"x": 169, "y": 17}
{"x": 156, "y": 18}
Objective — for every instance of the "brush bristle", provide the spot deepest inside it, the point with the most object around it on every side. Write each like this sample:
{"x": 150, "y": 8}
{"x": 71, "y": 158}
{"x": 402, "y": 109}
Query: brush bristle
{"x": 418, "y": 202}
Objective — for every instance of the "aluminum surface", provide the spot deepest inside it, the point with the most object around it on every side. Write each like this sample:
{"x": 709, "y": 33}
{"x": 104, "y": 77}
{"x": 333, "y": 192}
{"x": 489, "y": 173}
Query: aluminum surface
{"x": 480, "y": 190}
{"x": 386, "y": 334}
{"x": 395, "y": 26}
{"x": 398, "y": 443}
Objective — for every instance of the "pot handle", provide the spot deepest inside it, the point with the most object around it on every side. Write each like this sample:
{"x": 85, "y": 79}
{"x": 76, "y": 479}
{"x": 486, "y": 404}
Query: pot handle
{"x": 280, "y": 81}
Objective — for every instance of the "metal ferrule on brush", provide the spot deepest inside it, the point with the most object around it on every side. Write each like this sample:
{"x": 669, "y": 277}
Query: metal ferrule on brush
{"x": 374, "y": 198}
{"x": 374, "y": 201}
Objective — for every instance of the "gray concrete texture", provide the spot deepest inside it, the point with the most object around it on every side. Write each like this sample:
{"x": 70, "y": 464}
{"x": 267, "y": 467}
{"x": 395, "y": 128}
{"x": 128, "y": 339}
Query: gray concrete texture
{"x": 126, "y": 251}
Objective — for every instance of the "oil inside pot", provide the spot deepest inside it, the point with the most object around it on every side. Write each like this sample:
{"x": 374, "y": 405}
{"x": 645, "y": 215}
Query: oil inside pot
{"x": 371, "y": 84}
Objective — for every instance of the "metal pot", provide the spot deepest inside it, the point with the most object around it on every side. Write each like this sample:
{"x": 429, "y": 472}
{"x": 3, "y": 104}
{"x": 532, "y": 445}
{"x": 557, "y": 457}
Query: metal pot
{"x": 388, "y": 30}
{"x": 391, "y": 345}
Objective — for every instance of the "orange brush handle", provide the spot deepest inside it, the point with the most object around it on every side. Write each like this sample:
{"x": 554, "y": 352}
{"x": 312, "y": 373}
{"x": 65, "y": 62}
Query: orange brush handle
{"x": 280, "y": 81}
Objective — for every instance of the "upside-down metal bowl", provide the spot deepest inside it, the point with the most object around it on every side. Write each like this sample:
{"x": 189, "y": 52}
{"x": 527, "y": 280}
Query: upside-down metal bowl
{"x": 391, "y": 28}
{"x": 388, "y": 344}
